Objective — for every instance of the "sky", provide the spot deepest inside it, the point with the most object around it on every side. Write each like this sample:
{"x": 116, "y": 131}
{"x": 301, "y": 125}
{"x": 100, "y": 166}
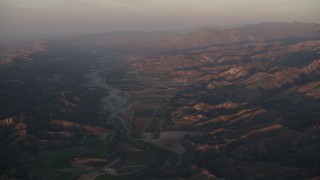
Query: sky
{"x": 20, "y": 19}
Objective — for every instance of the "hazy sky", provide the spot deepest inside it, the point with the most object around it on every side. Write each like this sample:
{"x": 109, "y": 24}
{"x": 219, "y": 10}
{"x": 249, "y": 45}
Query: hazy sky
{"x": 32, "y": 18}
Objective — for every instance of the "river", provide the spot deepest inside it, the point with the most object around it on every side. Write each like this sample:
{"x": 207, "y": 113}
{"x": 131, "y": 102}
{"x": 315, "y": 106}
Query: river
{"x": 116, "y": 102}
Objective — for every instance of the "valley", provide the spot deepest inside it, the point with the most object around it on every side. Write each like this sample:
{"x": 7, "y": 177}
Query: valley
{"x": 210, "y": 104}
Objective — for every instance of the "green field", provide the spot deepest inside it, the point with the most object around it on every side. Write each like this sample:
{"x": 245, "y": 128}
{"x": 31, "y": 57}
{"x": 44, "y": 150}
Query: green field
{"x": 109, "y": 177}
{"x": 69, "y": 175}
{"x": 144, "y": 161}
{"x": 135, "y": 135}
{"x": 53, "y": 163}
{"x": 154, "y": 125}
{"x": 56, "y": 164}
{"x": 45, "y": 173}
{"x": 57, "y": 158}
{"x": 97, "y": 148}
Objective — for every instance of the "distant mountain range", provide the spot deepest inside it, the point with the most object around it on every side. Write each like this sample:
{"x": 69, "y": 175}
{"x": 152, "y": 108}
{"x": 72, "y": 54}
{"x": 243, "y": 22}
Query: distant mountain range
{"x": 165, "y": 40}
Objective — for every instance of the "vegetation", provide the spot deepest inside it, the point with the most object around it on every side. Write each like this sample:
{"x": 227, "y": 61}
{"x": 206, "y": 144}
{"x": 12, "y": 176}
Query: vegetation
{"x": 109, "y": 177}
{"x": 53, "y": 163}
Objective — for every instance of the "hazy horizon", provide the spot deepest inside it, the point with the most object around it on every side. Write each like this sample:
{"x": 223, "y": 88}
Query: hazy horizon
{"x": 23, "y": 19}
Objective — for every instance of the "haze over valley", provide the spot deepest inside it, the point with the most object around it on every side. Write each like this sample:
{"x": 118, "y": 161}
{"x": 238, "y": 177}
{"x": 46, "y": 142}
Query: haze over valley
{"x": 152, "y": 95}
{"x": 36, "y": 19}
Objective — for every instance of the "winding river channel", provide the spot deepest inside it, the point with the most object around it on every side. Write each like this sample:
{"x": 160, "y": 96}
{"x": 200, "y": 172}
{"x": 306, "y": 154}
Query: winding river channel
{"x": 116, "y": 102}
